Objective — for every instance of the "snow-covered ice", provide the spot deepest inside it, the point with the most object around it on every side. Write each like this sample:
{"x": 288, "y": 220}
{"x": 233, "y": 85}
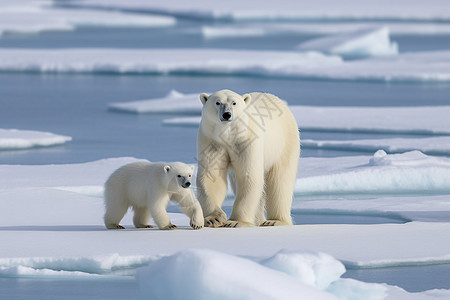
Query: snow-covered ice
{"x": 319, "y": 28}
{"x": 405, "y": 173}
{"x": 13, "y": 139}
{"x": 36, "y": 16}
{"x": 174, "y": 102}
{"x": 86, "y": 249}
{"x": 428, "y": 145}
{"x": 404, "y": 120}
{"x": 415, "y": 67}
{"x": 400, "y": 10}
{"x": 362, "y": 43}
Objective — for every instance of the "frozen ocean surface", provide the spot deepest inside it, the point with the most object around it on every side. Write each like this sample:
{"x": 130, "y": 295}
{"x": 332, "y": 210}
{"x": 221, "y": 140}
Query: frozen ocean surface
{"x": 84, "y": 94}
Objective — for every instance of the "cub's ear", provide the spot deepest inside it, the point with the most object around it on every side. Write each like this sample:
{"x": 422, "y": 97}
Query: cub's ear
{"x": 192, "y": 167}
{"x": 166, "y": 169}
{"x": 246, "y": 98}
{"x": 204, "y": 97}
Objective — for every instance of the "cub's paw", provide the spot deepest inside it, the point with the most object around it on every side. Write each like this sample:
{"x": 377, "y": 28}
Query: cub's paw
{"x": 235, "y": 224}
{"x": 215, "y": 220}
{"x": 274, "y": 223}
{"x": 170, "y": 227}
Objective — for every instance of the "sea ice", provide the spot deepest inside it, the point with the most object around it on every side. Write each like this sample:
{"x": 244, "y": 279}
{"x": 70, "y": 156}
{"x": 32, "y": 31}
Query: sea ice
{"x": 206, "y": 274}
{"x": 410, "y": 172}
{"x": 244, "y": 30}
{"x": 174, "y": 102}
{"x": 362, "y": 43}
{"x": 414, "y": 67}
{"x": 428, "y": 145}
{"x": 36, "y": 16}
{"x": 401, "y": 10}
{"x": 13, "y": 139}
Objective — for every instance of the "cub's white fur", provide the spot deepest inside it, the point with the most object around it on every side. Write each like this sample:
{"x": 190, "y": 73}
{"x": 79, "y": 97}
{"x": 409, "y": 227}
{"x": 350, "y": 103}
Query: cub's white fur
{"x": 148, "y": 188}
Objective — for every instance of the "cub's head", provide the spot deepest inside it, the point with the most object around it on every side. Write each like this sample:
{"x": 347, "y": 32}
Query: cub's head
{"x": 179, "y": 175}
{"x": 223, "y": 106}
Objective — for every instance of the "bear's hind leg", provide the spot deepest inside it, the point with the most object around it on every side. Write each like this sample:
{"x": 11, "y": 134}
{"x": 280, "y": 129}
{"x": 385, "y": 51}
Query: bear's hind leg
{"x": 141, "y": 217}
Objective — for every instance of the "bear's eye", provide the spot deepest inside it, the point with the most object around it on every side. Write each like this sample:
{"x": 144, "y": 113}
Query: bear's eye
{"x": 217, "y": 103}
{"x": 234, "y": 103}
{"x": 189, "y": 175}
{"x": 179, "y": 176}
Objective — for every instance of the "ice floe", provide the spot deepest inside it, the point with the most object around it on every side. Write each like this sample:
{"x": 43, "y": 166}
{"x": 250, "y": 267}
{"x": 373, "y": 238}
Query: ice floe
{"x": 413, "y": 67}
{"x": 362, "y": 43}
{"x": 410, "y": 172}
{"x": 429, "y": 145}
{"x": 36, "y": 16}
{"x": 406, "y": 120}
{"x": 14, "y": 139}
{"x": 286, "y": 10}
{"x": 174, "y": 102}
{"x": 319, "y": 28}
{"x": 290, "y": 273}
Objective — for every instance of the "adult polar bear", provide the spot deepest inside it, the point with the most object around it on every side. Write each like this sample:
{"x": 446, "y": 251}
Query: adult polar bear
{"x": 256, "y": 138}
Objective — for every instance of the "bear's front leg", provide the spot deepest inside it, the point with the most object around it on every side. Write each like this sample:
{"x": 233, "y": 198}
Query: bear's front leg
{"x": 249, "y": 172}
{"x": 158, "y": 212}
{"x": 212, "y": 184}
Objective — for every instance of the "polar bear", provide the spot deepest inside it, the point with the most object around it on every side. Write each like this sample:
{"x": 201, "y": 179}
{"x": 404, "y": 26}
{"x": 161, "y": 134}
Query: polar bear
{"x": 148, "y": 188}
{"x": 255, "y": 139}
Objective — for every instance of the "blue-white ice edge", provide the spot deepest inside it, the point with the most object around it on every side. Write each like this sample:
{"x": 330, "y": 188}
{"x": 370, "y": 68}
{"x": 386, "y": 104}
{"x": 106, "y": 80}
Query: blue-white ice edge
{"x": 202, "y": 273}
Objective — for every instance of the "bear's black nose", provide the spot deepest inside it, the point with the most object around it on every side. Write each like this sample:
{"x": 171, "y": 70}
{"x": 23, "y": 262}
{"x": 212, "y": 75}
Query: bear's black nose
{"x": 226, "y": 116}
{"x": 187, "y": 184}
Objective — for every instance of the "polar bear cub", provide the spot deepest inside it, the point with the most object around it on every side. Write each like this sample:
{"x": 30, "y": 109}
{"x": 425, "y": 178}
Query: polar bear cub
{"x": 148, "y": 187}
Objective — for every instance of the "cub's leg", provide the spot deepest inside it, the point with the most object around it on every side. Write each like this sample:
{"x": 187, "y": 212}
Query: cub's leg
{"x": 141, "y": 217}
{"x": 158, "y": 211}
{"x": 116, "y": 208}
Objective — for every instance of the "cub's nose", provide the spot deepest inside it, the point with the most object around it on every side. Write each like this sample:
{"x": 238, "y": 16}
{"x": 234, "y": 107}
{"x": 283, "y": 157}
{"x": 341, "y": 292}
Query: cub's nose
{"x": 226, "y": 116}
{"x": 187, "y": 184}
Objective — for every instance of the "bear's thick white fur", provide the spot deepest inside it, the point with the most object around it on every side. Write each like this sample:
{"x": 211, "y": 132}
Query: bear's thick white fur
{"x": 254, "y": 138}
{"x": 148, "y": 188}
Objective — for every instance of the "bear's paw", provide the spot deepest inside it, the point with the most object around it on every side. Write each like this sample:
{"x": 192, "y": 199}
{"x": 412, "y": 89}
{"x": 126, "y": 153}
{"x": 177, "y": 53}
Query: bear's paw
{"x": 235, "y": 224}
{"x": 215, "y": 220}
{"x": 170, "y": 227}
{"x": 273, "y": 223}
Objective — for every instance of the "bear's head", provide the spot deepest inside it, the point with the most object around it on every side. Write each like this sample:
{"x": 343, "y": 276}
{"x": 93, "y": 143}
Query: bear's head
{"x": 179, "y": 176}
{"x": 224, "y": 106}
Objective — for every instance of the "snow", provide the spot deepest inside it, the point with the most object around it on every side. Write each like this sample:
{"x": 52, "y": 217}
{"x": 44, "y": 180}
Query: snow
{"x": 206, "y": 274}
{"x": 414, "y": 67}
{"x": 410, "y": 172}
{"x": 174, "y": 102}
{"x": 400, "y": 10}
{"x": 36, "y": 16}
{"x": 13, "y": 139}
{"x": 405, "y": 120}
{"x": 362, "y": 43}
{"x": 427, "y": 145}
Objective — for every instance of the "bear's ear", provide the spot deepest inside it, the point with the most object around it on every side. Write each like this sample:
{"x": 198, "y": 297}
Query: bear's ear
{"x": 246, "y": 98}
{"x": 166, "y": 169}
{"x": 204, "y": 97}
{"x": 192, "y": 167}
